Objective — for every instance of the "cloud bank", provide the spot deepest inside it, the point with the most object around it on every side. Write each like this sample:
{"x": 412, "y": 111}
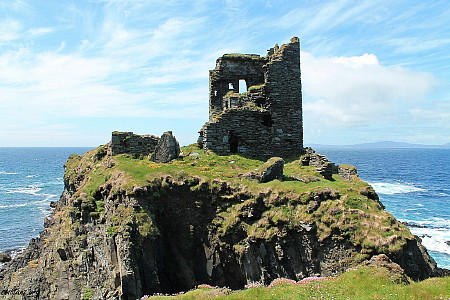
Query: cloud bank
{"x": 352, "y": 92}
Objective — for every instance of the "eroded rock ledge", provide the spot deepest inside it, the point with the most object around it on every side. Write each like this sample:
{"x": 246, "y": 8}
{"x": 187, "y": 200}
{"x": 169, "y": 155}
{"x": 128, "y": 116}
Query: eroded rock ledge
{"x": 126, "y": 227}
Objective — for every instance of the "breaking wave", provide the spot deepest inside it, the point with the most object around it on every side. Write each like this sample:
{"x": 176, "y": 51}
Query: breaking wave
{"x": 394, "y": 188}
{"x": 44, "y": 201}
{"x": 434, "y": 232}
{"x": 7, "y": 173}
{"x": 30, "y": 189}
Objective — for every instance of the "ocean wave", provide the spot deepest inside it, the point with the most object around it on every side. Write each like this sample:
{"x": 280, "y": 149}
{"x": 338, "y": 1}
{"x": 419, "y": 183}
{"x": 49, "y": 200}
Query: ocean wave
{"x": 8, "y": 173}
{"x": 44, "y": 201}
{"x": 435, "y": 243}
{"x": 394, "y": 188}
{"x": 435, "y": 234}
{"x": 432, "y": 222}
{"x": 30, "y": 189}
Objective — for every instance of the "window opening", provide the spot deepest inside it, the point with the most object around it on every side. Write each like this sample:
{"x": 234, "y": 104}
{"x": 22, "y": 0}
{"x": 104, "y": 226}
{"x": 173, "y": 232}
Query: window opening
{"x": 230, "y": 86}
{"x": 242, "y": 86}
{"x": 233, "y": 142}
{"x": 267, "y": 120}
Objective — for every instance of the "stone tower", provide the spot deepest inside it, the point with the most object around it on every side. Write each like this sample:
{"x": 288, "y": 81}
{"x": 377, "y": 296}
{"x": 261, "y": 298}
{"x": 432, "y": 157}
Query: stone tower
{"x": 255, "y": 104}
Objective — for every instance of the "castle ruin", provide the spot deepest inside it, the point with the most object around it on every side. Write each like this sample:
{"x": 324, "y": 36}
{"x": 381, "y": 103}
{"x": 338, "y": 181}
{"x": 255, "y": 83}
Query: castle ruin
{"x": 255, "y": 104}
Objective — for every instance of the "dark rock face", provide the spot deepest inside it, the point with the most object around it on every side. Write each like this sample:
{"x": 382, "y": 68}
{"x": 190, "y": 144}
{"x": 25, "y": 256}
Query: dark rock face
{"x": 166, "y": 149}
{"x": 418, "y": 269}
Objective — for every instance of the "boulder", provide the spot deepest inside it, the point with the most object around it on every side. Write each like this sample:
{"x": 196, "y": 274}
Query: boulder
{"x": 4, "y": 257}
{"x": 166, "y": 149}
{"x": 272, "y": 169}
{"x": 347, "y": 172}
{"x": 396, "y": 273}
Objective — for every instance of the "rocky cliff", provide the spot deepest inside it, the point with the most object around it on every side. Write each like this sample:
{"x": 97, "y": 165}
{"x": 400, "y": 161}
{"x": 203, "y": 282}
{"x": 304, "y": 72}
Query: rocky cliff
{"x": 126, "y": 227}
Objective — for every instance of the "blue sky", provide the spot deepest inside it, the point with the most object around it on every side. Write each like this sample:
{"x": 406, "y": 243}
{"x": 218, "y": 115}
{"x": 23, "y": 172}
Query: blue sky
{"x": 73, "y": 71}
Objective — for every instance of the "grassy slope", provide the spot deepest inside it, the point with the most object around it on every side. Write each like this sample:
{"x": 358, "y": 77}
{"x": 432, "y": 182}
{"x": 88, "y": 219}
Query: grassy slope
{"x": 363, "y": 283}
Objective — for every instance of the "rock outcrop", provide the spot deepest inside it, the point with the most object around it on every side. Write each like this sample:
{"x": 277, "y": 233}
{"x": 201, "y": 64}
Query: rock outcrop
{"x": 347, "y": 172}
{"x": 166, "y": 149}
{"x": 123, "y": 232}
{"x": 272, "y": 169}
{"x": 4, "y": 257}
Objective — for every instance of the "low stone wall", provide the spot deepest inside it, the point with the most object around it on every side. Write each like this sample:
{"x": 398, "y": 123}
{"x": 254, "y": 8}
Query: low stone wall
{"x": 130, "y": 143}
{"x": 161, "y": 150}
{"x": 347, "y": 172}
{"x": 322, "y": 164}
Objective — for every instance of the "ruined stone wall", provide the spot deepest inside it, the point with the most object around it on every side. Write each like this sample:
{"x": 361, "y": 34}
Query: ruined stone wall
{"x": 284, "y": 96}
{"x": 130, "y": 143}
{"x": 231, "y": 68}
{"x": 268, "y": 121}
{"x": 224, "y": 135}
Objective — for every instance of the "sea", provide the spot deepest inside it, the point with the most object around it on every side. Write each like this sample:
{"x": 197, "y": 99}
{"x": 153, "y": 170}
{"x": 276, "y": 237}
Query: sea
{"x": 30, "y": 178}
{"x": 413, "y": 185}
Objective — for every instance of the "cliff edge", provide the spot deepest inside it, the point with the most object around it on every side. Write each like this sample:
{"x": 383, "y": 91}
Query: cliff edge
{"x": 127, "y": 227}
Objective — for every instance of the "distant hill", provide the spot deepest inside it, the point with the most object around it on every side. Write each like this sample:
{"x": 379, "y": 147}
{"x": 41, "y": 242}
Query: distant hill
{"x": 382, "y": 145}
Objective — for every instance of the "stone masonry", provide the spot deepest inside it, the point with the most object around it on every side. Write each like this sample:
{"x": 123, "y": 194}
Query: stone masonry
{"x": 263, "y": 120}
{"x": 130, "y": 143}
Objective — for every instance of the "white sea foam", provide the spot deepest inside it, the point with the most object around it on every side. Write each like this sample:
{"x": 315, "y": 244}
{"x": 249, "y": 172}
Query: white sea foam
{"x": 14, "y": 205}
{"x": 30, "y": 189}
{"x": 31, "y": 176}
{"x": 431, "y": 223}
{"x": 8, "y": 173}
{"x": 435, "y": 235}
{"x": 434, "y": 239}
{"x": 34, "y": 203}
{"x": 394, "y": 188}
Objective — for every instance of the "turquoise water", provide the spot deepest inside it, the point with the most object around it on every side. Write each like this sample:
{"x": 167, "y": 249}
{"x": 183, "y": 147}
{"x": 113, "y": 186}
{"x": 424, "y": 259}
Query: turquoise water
{"x": 413, "y": 184}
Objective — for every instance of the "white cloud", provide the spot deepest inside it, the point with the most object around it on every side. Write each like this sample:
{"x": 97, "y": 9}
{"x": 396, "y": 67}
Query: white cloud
{"x": 352, "y": 92}
{"x": 36, "y": 32}
{"x": 10, "y": 30}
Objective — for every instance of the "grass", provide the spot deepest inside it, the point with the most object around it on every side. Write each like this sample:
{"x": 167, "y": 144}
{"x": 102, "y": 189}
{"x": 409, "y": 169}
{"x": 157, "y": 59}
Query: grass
{"x": 363, "y": 283}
